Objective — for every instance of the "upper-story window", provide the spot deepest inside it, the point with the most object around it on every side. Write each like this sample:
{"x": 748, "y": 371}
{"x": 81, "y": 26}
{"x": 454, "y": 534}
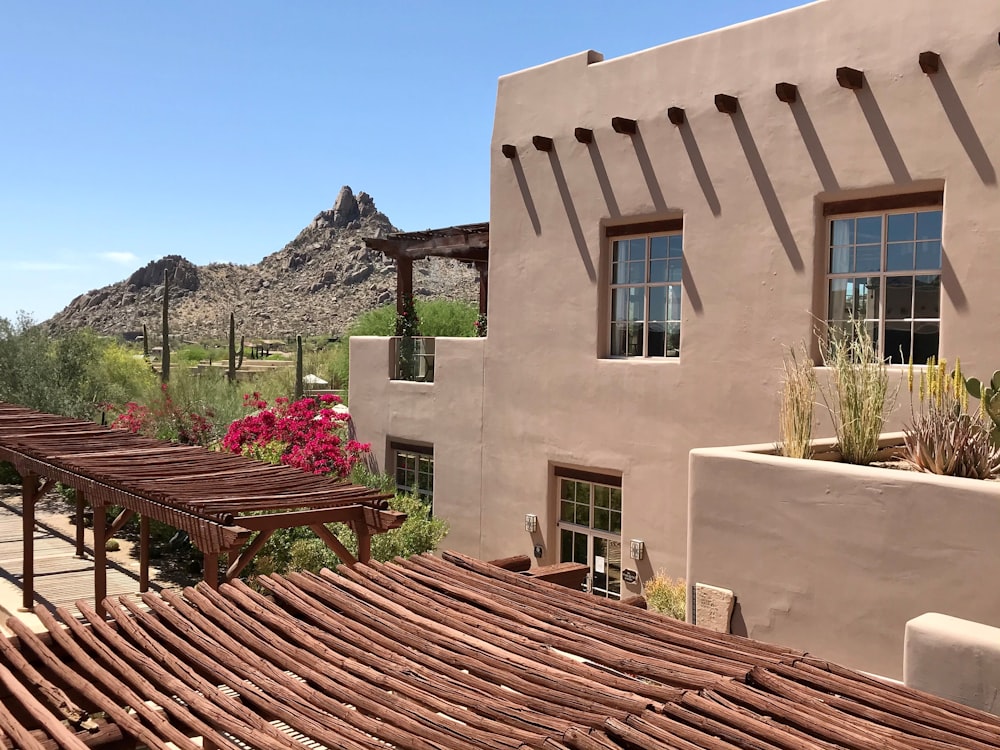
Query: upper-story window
{"x": 646, "y": 271}
{"x": 884, "y": 267}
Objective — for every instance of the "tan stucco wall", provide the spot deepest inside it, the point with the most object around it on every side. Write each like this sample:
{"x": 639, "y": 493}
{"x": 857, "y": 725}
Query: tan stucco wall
{"x": 447, "y": 414}
{"x": 750, "y": 189}
{"x": 835, "y": 559}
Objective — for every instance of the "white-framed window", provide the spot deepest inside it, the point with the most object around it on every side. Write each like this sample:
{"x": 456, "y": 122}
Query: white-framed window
{"x": 884, "y": 267}
{"x": 413, "y": 468}
{"x": 590, "y": 527}
{"x": 646, "y": 269}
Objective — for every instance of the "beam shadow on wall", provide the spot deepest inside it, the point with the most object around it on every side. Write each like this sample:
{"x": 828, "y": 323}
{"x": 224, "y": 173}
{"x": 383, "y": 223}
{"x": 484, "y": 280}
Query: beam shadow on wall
{"x": 603, "y": 180}
{"x": 698, "y": 165}
{"x": 767, "y": 192}
{"x": 951, "y": 284}
{"x": 529, "y": 203}
{"x": 571, "y": 215}
{"x": 951, "y": 102}
{"x": 648, "y": 173}
{"x": 883, "y": 136}
{"x": 814, "y": 146}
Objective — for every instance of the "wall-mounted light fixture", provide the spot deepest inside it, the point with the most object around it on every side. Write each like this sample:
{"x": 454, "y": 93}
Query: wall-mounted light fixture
{"x": 531, "y": 523}
{"x": 636, "y": 549}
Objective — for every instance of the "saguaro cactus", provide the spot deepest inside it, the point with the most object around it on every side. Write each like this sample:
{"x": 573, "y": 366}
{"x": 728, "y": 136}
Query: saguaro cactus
{"x": 165, "y": 359}
{"x": 145, "y": 342}
{"x": 235, "y": 357}
{"x": 299, "y": 390}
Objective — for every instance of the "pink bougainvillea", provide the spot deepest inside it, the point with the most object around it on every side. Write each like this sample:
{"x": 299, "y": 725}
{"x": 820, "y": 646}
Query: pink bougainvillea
{"x": 308, "y": 434}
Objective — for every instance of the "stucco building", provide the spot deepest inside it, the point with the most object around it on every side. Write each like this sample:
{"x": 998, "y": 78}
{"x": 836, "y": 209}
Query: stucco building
{"x": 662, "y": 226}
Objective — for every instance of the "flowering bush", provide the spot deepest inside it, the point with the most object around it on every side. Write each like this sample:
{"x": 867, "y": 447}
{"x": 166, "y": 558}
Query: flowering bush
{"x": 309, "y": 434}
{"x": 165, "y": 420}
{"x": 481, "y": 323}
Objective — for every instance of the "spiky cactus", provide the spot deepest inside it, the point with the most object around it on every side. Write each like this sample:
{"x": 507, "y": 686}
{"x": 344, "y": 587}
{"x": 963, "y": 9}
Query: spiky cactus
{"x": 145, "y": 342}
{"x": 299, "y": 390}
{"x": 165, "y": 360}
{"x": 989, "y": 401}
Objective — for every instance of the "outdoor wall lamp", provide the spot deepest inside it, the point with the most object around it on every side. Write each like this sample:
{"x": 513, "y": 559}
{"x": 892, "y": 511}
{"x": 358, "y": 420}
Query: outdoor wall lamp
{"x": 531, "y": 523}
{"x": 636, "y": 549}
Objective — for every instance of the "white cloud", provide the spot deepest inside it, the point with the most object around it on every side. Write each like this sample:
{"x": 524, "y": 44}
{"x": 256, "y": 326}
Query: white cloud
{"x": 121, "y": 258}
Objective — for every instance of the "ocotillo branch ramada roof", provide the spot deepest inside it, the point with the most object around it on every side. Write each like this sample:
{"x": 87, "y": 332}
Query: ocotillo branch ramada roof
{"x": 455, "y": 653}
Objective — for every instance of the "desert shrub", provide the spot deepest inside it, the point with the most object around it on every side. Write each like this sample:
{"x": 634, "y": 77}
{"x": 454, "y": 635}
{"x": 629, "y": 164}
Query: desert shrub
{"x": 857, "y": 393}
{"x": 667, "y": 595}
{"x": 192, "y": 354}
{"x": 798, "y": 397}
{"x": 942, "y": 436}
{"x": 8, "y": 474}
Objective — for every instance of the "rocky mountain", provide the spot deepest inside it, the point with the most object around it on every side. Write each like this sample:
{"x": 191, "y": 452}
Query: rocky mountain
{"x": 318, "y": 283}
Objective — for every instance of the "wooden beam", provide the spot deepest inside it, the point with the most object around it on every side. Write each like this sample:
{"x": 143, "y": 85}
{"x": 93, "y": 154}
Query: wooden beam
{"x": 570, "y": 575}
{"x": 471, "y": 246}
{"x": 624, "y": 125}
{"x": 29, "y": 494}
{"x": 143, "y": 554}
{"x": 333, "y": 543}
{"x": 364, "y": 542}
{"x": 727, "y": 104}
{"x": 676, "y": 115}
{"x": 247, "y": 554}
{"x": 542, "y": 143}
{"x": 81, "y": 502}
{"x": 786, "y": 92}
{"x": 930, "y": 62}
{"x": 343, "y": 514}
{"x": 509, "y": 150}
{"x": 515, "y": 564}
{"x": 584, "y": 135}
{"x": 119, "y": 523}
{"x": 851, "y": 78}
{"x": 100, "y": 558}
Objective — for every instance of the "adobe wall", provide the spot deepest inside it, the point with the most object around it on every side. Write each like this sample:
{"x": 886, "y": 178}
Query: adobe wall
{"x": 750, "y": 189}
{"x": 835, "y": 559}
{"x": 446, "y": 414}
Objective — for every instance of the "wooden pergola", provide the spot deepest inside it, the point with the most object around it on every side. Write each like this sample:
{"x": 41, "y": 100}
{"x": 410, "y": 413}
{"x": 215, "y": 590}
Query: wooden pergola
{"x": 438, "y": 654}
{"x": 469, "y": 243}
{"x": 219, "y": 499}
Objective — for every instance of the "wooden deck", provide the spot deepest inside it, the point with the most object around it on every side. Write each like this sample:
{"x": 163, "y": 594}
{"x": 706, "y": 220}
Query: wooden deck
{"x": 61, "y": 578}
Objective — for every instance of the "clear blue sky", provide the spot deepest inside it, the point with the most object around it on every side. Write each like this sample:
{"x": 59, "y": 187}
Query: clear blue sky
{"x": 217, "y": 130}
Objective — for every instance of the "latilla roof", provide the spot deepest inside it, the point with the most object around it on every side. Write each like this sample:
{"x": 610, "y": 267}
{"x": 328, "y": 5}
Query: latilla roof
{"x": 453, "y": 653}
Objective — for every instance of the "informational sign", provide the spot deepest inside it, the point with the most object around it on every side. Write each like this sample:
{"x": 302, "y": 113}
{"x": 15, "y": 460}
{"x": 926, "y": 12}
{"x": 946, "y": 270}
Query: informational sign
{"x": 599, "y": 564}
{"x": 629, "y": 575}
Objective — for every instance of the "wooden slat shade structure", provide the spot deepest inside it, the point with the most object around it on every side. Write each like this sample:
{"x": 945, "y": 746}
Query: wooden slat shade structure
{"x": 205, "y": 493}
{"x": 447, "y": 654}
{"x": 469, "y": 243}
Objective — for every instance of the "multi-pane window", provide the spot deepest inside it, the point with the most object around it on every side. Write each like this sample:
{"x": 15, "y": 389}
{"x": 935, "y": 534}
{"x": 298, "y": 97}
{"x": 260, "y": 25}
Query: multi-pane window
{"x": 590, "y": 529}
{"x": 885, "y": 268}
{"x": 414, "y": 470}
{"x": 646, "y": 295}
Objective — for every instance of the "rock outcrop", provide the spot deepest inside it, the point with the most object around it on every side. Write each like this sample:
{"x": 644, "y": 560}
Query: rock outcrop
{"x": 318, "y": 283}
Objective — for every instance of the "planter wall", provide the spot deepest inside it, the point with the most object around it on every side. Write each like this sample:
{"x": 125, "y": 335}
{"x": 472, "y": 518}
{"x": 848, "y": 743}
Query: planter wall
{"x": 833, "y": 558}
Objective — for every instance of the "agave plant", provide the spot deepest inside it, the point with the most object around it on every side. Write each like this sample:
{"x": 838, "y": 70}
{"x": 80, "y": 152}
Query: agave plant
{"x": 952, "y": 443}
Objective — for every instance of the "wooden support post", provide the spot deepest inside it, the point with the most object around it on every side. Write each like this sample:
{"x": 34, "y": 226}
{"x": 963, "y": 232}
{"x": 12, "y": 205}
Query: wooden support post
{"x": 143, "y": 554}
{"x": 210, "y": 570}
{"x": 404, "y": 284}
{"x": 29, "y": 493}
{"x": 81, "y": 504}
{"x": 100, "y": 558}
{"x": 484, "y": 283}
{"x": 364, "y": 543}
{"x": 333, "y": 543}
